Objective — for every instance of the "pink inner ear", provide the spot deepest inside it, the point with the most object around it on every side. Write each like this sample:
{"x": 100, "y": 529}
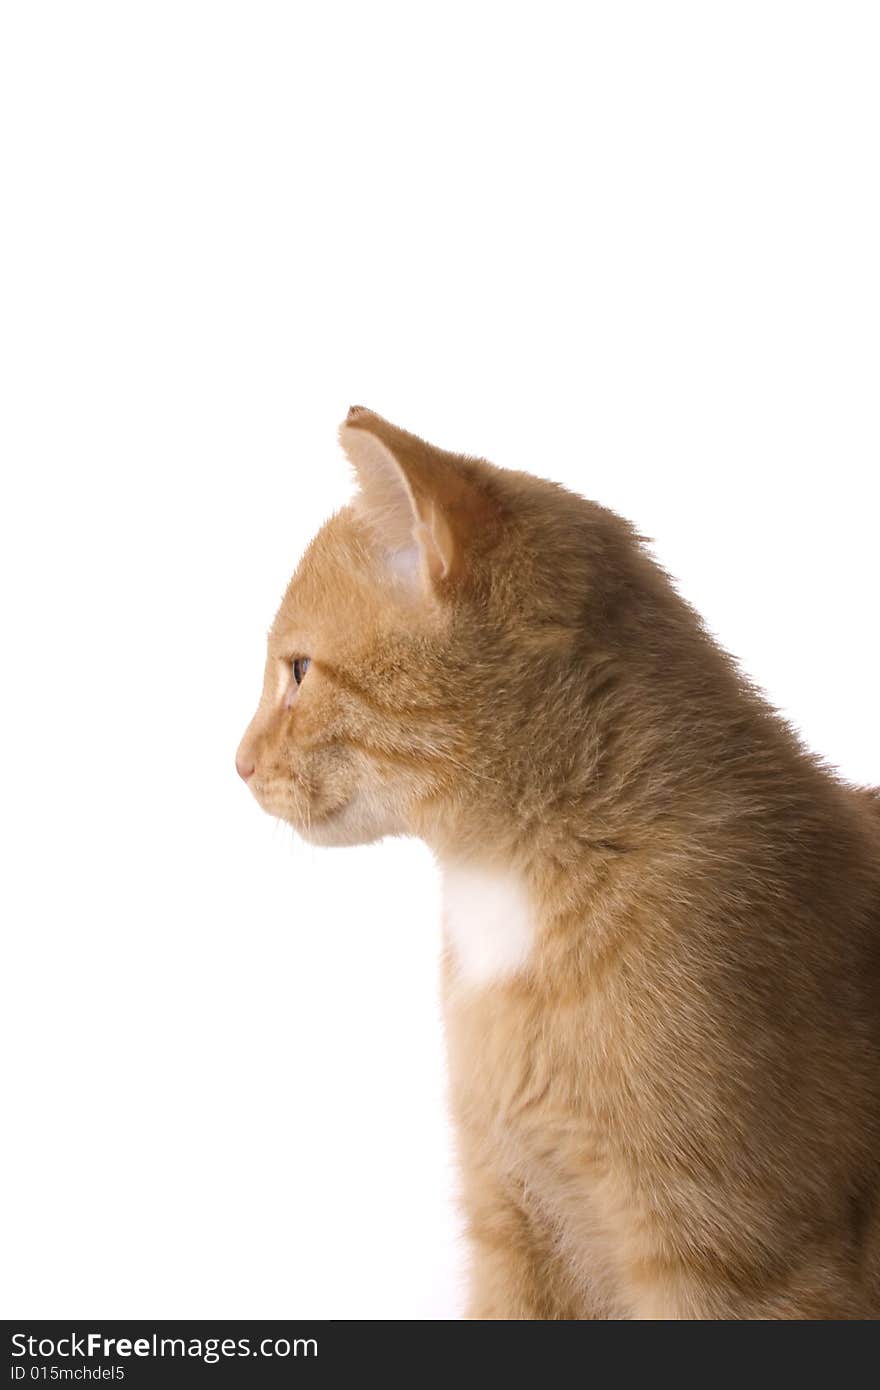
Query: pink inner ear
{"x": 408, "y": 494}
{"x": 387, "y": 504}
{"x": 405, "y": 564}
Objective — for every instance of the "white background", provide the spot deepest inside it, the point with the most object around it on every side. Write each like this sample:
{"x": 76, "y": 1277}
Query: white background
{"x": 630, "y": 246}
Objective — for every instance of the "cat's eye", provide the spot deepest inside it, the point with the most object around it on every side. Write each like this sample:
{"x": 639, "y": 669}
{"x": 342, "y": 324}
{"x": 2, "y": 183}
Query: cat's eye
{"x": 300, "y": 665}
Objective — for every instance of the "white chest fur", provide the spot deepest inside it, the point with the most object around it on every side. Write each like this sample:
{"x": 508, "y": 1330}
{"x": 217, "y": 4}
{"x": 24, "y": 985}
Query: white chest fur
{"x": 488, "y": 922}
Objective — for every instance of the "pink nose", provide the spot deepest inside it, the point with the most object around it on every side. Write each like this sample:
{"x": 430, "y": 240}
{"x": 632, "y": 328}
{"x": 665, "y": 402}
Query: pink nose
{"x": 244, "y": 766}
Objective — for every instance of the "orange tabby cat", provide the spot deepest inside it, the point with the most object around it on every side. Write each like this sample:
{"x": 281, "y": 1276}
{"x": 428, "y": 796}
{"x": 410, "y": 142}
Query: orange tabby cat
{"x": 662, "y": 916}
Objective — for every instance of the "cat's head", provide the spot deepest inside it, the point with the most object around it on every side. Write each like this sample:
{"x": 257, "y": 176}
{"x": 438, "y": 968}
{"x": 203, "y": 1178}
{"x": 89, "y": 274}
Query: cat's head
{"x": 420, "y": 661}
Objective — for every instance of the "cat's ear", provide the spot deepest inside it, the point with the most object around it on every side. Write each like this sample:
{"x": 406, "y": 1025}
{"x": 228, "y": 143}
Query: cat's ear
{"x": 424, "y": 506}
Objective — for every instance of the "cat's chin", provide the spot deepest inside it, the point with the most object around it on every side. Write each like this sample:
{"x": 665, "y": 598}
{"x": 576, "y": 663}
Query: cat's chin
{"x": 352, "y": 823}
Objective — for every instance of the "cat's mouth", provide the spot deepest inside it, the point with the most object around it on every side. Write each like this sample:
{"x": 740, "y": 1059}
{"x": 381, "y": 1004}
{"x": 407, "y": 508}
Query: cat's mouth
{"x": 353, "y": 818}
{"x": 304, "y": 818}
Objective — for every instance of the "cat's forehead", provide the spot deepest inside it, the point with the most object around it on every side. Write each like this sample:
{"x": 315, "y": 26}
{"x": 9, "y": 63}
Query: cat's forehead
{"x": 333, "y": 587}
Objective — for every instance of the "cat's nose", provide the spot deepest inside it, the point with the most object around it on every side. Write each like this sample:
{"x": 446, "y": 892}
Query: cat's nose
{"x": 244, "y": 765}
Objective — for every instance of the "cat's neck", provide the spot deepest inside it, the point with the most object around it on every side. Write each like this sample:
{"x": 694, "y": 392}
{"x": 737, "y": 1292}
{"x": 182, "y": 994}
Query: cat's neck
{"x": 532, "y": 883}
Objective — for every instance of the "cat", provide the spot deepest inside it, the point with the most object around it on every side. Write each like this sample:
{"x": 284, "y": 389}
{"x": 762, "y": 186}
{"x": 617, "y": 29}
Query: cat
{"x": 661, "y": 969}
